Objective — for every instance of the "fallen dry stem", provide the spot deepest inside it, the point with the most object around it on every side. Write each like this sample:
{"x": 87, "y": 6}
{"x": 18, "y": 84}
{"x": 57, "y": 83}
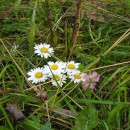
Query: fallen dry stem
{"x": 112, "y": 47}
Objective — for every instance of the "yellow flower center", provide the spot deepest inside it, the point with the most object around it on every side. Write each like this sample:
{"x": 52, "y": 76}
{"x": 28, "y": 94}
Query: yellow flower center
{"x": 44, "y": 50}
{"x": 54, "y": 67}
{"x": 77, "y": 76}
{"x": 56, "y": 77}
{"x": 71, "y": 66}
{"x": 38, "y": 74}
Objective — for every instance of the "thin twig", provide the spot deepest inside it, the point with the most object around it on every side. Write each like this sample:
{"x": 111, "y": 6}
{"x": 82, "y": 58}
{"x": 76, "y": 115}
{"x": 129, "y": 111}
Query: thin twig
{"x": 113, "y": 46}
{"x": 46, "y": 102}
{"x": 76, "y": 24}
{"x": 15, "y": 62}
{"x": 49, "y": 22}
{"x": 108, "y": 66}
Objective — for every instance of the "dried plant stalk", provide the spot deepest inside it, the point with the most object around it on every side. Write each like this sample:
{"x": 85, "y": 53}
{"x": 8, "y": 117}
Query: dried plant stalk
{"x": 49, "y": 22}
{"x": 76, "y": 24}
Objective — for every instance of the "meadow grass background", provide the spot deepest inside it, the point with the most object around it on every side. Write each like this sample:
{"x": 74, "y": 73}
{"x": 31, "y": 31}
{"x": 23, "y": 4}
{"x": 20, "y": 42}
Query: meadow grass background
{"x": 100, "y": 42}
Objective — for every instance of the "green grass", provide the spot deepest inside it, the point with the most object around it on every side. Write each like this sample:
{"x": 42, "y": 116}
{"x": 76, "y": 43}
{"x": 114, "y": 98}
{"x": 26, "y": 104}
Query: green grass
{"x": 101, "y": 44}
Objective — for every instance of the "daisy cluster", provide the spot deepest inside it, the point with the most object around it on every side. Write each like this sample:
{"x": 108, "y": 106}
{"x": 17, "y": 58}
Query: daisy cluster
{"x": 58, "y": 72}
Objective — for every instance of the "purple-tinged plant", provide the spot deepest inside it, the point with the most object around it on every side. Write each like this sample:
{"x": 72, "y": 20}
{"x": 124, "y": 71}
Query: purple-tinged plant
{"x": 90, "y": 80}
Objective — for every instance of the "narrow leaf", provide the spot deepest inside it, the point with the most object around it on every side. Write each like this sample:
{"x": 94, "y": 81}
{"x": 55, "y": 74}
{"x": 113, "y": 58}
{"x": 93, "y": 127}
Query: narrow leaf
{"x": 87, "y": 119}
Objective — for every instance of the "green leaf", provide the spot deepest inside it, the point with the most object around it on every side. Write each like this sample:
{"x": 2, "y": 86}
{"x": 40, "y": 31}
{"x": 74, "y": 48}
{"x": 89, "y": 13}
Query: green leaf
{"x": 3, "y": 128}
{"x": 55, "y": 39}
{"x": 112, "y": 114}
{"x": 47, "y": 126}
{"x": 31, "y": 34}
{"x": 3, "y": 70}
{"x": 81, "y": 67}
{"x": 6, "y": 117}
{"x": 31, "y": 125}
{"x": 87, "y": 119}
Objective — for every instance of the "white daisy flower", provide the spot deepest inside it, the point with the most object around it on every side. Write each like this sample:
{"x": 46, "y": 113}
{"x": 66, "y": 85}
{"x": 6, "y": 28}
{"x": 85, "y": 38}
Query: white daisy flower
{"x": 37, "y": 75}
{"x": 44, "y": 50}
{"x": 58, "y": 78}
{"x": 76, "y": 76}
{"x": 55, "y": 67}
{"x": 71, "y": 66}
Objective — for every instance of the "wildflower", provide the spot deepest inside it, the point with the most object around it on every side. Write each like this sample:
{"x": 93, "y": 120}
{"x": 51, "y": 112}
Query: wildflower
{"x": 58, "y": 79}
{"x": 44, "y": 50}
{"x": 44, "y": 95}
{"x": 90, "y": 80}
{"x": 37, "y": 75}
{"x": 14, "y": 48}
{"x": 38, "y": 87}
{"x": 71, "y": 66}
{"x": 40, "y": 92}
{"x": 54, "y": 67}
{"x": 35, "y": 89}
{"x": 76, "y": 76}
{"x": 41, "y": 95}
